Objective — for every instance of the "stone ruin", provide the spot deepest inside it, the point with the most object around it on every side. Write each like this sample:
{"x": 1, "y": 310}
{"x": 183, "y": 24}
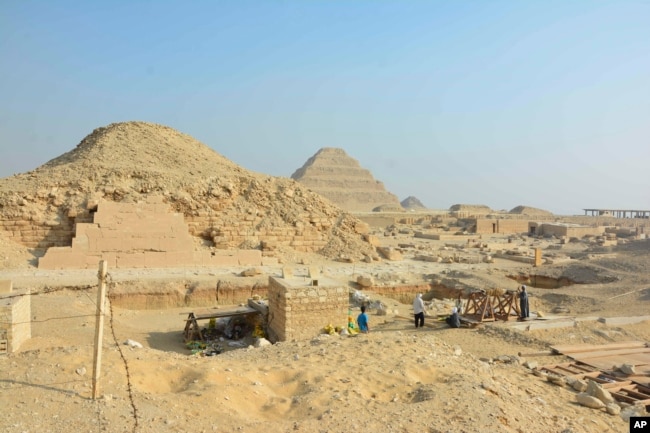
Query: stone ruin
{"x": 224, "y": 206}
{"x": 301, "y": 306}
{"x": 15, "y": 314}
{"x": 141, "y": 235}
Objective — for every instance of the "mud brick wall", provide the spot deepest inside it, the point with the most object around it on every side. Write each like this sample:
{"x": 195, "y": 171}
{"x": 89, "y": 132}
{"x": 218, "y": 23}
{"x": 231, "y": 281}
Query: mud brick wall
{"x": 15, "y": 313}
{"x": 299, "y": 310}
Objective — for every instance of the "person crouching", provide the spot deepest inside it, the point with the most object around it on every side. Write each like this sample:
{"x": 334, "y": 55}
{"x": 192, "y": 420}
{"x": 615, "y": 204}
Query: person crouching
{"x": 453, "y": 320}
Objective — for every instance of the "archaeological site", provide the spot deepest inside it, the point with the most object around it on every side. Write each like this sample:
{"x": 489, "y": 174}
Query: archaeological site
{"x": 149, "y": 284}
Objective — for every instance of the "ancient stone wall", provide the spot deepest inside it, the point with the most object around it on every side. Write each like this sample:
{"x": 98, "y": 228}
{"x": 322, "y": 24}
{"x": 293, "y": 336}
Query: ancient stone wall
{"x": 560, "y": 230}
{"x": 140, "y": 235}
{"x": 299, "y": 310}
{"x": 502, "y": 226}
{"x": 15, "y": 317}
{"x": 36, "y": 233}
{"x": 226, "y": 233}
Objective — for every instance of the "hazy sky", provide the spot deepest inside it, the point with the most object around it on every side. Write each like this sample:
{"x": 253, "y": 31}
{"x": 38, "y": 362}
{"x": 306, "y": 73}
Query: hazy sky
{"x": 501, "y": 103}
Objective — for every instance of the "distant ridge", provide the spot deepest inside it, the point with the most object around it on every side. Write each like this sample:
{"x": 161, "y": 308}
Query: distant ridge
{"x": 411, "y": 202}
{"x": 338, "y": 177}
{"x": 527, "y": 210}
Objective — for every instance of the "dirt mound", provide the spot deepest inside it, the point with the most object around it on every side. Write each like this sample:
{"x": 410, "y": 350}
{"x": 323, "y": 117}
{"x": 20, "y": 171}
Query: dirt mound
{"x": 471, "y": 209}
{"x": 527, "y": 210}
{"x": 127, "y": 162}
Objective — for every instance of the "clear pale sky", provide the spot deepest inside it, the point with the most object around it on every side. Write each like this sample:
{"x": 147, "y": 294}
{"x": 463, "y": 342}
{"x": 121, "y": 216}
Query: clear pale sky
{"x": 501, "y": 103}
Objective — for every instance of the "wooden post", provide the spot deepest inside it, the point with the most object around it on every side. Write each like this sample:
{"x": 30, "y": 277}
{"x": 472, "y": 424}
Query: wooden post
{"x": 99, "y": 325}
{"x": 538, "y": 257}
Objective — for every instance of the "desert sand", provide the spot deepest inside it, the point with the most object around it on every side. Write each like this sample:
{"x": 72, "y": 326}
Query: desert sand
{"x": 394, "y": 379}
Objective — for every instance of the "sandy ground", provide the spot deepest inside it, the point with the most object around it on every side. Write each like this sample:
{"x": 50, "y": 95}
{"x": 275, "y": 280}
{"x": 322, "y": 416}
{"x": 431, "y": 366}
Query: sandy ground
{"x": 395, "y": 379}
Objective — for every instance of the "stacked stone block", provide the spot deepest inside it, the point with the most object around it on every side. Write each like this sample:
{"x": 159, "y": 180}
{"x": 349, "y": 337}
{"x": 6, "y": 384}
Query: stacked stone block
{"x": 226, "y": 233}
{"x": 565, "y": 230}
{"x": 140, "y": 235}
{"x": 34, "y": 233}
{"x": 502, "y": 226}
{"x": 15, "y": 314}
{"x": 300, "y": 307}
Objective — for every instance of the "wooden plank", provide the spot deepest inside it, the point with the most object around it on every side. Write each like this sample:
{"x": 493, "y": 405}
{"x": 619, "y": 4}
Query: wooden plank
{"x": 643, "y": 391}
{"x": 578, "y": 348}
{"x": 225, "y": 313}
{"x": 640, "y": 362}
{"x": 608, "y": 353}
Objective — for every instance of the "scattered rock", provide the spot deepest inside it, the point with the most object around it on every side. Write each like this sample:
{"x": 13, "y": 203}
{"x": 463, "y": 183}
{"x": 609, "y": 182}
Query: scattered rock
{"x": 250, "y": 272}
{"x": 579, "y": 385}
{"x": 133, "y": 344}
{"x": 532, "y": 365}
{"x": 555, "y": 379}
{"x": 627, "y": 369}
{"x": 261, "y": 342}
{"x": 613, "y": 409}
{"x": 589, "y": 400}
{"x": 596, "y": 390}
{"x": 365, "y": 281}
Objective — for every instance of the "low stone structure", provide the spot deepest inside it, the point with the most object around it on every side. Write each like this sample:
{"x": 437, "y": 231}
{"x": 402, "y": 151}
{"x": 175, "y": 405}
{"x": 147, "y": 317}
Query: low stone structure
{"x": 15, "y": 314}
{"x": 560, "y": 230}
{"x": 500, "y": 225}
{"x": 300, "y": 307}
{"x": 141, "y": 235}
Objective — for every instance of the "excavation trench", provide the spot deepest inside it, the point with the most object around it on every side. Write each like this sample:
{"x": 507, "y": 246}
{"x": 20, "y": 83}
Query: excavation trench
{"x": 542, "y": 281}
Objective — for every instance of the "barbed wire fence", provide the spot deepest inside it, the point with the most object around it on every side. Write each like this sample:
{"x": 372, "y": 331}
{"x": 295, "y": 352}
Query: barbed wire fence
{"x": 84, "y": 289}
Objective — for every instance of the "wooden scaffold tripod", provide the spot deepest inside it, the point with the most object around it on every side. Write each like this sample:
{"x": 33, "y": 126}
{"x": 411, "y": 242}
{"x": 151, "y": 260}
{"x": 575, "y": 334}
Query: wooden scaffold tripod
{"x": 491, "y": 305}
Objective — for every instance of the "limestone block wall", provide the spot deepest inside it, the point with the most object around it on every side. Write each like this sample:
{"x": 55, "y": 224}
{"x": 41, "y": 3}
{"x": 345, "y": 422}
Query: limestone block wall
{"x": 229, "y": 232}
{"x": 560, "y": 230}
{"x": 140, "y": 235}
{"x": 503, "y": 226}
{"x": 15, "y": 316}
{"x": 36, "y": 233}
{"x": 299, "y": 310}
{"x": 219, "y": 223}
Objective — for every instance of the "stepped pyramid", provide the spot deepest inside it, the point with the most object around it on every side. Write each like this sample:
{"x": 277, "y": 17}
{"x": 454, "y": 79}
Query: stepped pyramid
{"x": 339, "y": 178}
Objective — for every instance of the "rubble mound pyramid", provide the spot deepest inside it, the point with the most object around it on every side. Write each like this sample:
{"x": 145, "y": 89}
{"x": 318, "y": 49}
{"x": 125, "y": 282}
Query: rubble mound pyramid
{"x": 411, "y": 202}
{"x": 339, "y": 178}
{"x": 224, "y": 205}
{"x": 527, "y": 210}
{"x": 467, "y": 210}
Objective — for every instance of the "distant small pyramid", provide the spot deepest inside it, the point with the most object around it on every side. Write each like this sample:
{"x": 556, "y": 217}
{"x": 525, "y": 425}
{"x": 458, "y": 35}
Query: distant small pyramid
{"x": 527, "y": 210}
{"x": 339, "y": 178}
{"x": 411, "y": 202}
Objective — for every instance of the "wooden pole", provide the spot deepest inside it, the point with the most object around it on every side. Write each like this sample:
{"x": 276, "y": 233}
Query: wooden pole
{"x": 99, "y": 326}
{"x": 628, "y": 293}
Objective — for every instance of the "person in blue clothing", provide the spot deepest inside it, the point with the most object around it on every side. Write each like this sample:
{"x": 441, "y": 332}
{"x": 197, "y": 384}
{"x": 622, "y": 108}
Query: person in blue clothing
{"x": 362, "y": 321}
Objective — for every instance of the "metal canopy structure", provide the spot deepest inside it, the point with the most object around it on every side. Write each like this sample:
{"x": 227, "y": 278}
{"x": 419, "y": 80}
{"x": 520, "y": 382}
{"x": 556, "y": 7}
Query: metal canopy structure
{"x": 618, "y": 213}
